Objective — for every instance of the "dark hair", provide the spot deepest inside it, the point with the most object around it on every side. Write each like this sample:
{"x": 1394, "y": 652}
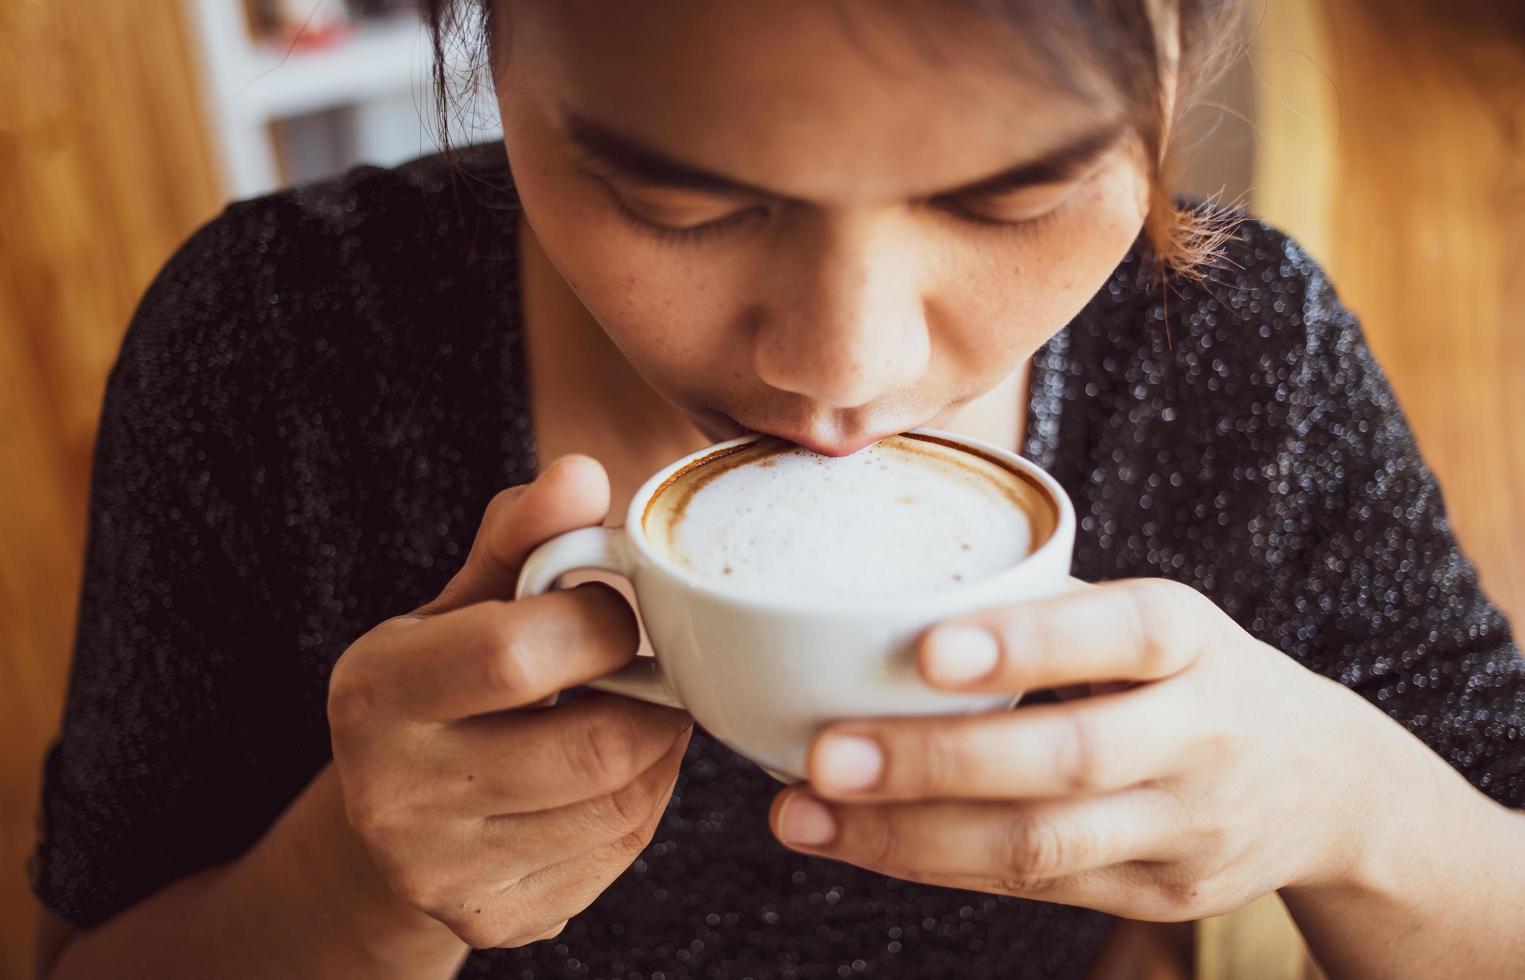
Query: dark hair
{"x": 1127, "y": 41}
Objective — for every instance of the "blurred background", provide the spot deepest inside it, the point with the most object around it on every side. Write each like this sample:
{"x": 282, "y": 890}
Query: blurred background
{"x": 1387, "y": 135}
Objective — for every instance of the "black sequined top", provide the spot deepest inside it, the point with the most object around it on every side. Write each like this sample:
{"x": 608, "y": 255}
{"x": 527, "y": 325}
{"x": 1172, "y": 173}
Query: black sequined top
{"x": 324, "y": 387}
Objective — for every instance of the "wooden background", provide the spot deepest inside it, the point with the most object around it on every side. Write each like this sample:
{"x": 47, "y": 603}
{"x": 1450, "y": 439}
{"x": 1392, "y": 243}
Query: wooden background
{"x": 1389, "y": 141}
{"x": 103, "y": 171}
{"x": 1392, "y": 144}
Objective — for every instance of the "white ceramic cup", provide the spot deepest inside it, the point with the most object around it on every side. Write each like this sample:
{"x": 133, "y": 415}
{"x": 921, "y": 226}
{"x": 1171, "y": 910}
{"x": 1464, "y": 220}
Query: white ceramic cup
{"x": 763, "y": 674}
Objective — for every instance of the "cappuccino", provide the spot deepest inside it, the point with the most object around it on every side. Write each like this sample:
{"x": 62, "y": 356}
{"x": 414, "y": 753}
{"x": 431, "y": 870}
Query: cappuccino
{"x": 908, "y": 516}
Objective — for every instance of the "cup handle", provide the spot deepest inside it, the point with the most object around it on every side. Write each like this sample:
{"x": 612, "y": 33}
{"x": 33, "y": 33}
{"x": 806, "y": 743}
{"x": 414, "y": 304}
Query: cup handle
{"x": 602, "y": 548}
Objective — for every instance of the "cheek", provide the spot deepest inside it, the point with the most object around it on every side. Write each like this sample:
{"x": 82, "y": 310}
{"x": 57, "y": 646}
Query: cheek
{"x": 1008, "y": 296}
{"x": 647, "y": 296}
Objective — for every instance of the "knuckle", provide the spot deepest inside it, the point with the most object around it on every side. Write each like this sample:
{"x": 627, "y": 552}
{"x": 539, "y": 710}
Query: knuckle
{"x": 629, "y": 847}
{"x": 1185, "y": 896}
{"x": 1209, "y": 836}
{"x": 1153, "y": 606}
{"x": 1179, "y": 901}
{"x": 551, "y": 933}
{"x": 531, "y": 931}
{"x": 507, "y": 669}
{"x": 1034, "y": 849}
{"x": 611, "y": 859}
{"x": 500, "y": 507}
{"x": 629, "y": 808}
{"x": 351, "y": 695}
{"x": 1026, "y": 886}
{"x": 475, "y": 933}
{"x": 372, "y": 810}
{"x": 604, "y": 751}
{"x": 417, "y": 887}
{"x": 881, "y": 842}
{"x": 1086, "y": 756}
{"x": 367, "y": 815}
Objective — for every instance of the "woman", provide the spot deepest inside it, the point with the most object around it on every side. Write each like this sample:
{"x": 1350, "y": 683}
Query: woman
{"x": 830, "y": 222}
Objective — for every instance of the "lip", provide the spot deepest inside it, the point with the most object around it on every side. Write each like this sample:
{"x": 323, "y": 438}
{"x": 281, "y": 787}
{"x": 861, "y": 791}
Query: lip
{"x": 718, "y": 426}
{"x": 824, "y": 447}
{"x": 833, "y": 448}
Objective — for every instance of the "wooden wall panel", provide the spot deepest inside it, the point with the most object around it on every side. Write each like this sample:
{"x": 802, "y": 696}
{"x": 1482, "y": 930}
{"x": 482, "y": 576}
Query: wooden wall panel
{"x": 103, "y": 171}
{"x": 1390, "y": 145}
{"x": 1393, "y": 145}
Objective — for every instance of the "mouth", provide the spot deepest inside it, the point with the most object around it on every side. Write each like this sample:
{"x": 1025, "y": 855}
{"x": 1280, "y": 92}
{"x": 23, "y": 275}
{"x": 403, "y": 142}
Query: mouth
{"x": 719, "y": 426}
{"x": 819, "y": 441}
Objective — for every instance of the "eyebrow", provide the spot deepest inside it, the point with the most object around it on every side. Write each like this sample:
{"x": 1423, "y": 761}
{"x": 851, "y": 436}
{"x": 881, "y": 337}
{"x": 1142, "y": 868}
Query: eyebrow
{"x": 634, "y": 160}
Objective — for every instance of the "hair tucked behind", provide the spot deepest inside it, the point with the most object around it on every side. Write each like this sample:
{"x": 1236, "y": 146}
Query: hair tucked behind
{"x": 1131, "y": 43}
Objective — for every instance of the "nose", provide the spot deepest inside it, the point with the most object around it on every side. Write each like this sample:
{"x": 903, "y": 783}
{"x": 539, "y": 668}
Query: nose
{"x": 847, "y": 323}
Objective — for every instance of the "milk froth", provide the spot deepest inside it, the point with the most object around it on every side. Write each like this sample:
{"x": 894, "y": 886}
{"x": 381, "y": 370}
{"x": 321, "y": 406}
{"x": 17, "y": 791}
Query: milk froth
{"x": 906, "y": 516}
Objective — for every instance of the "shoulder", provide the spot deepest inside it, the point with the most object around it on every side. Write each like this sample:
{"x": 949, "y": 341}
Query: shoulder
{"x": 1264, "y": 295}
{"x": 372, "y": 231}
{"x": 428, "y": 217}
{"x": 334, "y": 363}
{"x": 332, "y": 335}
{"x": 1254, "y": 381}
{"x": 1264, "y": 317}
{"x": 321, "y": 285}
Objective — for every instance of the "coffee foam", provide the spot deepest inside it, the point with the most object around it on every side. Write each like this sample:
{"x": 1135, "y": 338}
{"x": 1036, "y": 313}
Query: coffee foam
{"x": 905, "y": 516}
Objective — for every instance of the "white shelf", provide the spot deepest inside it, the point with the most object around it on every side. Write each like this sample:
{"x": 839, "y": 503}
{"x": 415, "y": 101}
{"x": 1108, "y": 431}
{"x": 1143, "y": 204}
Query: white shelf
{"x": 379, "y": 76}
{"x": 375, "y": 61}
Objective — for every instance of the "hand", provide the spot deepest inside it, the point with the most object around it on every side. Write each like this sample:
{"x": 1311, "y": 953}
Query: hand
{"x": 481, "y": 806}
{"x": 1219, "y": 771}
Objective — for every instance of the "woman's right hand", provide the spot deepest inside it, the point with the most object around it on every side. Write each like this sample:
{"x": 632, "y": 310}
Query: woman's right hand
{"x": 480, "y": 805}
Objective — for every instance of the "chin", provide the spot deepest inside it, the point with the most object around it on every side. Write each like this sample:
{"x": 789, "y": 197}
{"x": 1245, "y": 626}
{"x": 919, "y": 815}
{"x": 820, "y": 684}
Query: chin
{"x": 717, "y": 426}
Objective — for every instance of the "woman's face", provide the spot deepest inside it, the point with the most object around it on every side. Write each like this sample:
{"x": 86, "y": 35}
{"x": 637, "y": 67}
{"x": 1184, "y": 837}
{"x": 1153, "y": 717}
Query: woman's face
{"x": 818, "y": 220}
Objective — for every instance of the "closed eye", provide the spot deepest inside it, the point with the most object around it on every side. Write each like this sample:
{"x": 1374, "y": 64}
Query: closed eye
{"x": 1014, "y": 206}
{"x": 673, "y": 213}
{"x": 690, "y": 232}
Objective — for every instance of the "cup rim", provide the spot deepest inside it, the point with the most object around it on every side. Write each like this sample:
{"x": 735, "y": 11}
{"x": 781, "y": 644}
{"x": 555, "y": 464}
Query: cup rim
{"x": 635, "y": 533}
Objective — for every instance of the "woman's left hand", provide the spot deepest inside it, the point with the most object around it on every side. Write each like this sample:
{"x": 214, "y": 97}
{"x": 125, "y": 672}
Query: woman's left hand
{"x": 1216, "y": 771}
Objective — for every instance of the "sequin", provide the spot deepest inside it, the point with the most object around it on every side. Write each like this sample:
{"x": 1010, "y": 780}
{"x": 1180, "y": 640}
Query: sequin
{"x": 324, "y": 388}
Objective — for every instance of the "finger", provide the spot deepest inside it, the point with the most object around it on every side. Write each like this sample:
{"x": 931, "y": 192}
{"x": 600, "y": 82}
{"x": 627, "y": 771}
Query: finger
{"x": 558, "y": 891}
{"x": 536, "y": 906}
{"x": 571, "y": 493}
{"x": 1093, "y": 745}
{"x": 551, "y": 933}
{"x": 1147, "y": 891}
{"x": 1119, "y": 889}
{"x": 565, "y": 832}
{"x": 498, "y": 655}
{"x": 1135, "y": 630}
{"x": 1001, "y": 842}
{"x": 522, "y": 761}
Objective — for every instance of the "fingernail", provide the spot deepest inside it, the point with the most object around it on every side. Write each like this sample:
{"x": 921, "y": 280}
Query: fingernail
{"x": 805, "y": 822}
{"x": 848, "y": 762}
{"x": 962, "y": 654}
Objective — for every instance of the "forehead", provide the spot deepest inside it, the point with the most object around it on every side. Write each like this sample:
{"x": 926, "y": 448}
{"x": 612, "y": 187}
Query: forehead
{"x": 818, "y": 99}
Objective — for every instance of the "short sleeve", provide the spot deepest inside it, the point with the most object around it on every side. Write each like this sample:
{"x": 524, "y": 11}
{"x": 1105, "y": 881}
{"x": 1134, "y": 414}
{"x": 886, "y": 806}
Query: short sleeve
{"x": 156, "y": 771}
{"x": 1385, "y": 600}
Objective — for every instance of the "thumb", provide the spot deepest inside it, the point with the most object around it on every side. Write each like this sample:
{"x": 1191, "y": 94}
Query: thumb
{"x": 571, "y": 493}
